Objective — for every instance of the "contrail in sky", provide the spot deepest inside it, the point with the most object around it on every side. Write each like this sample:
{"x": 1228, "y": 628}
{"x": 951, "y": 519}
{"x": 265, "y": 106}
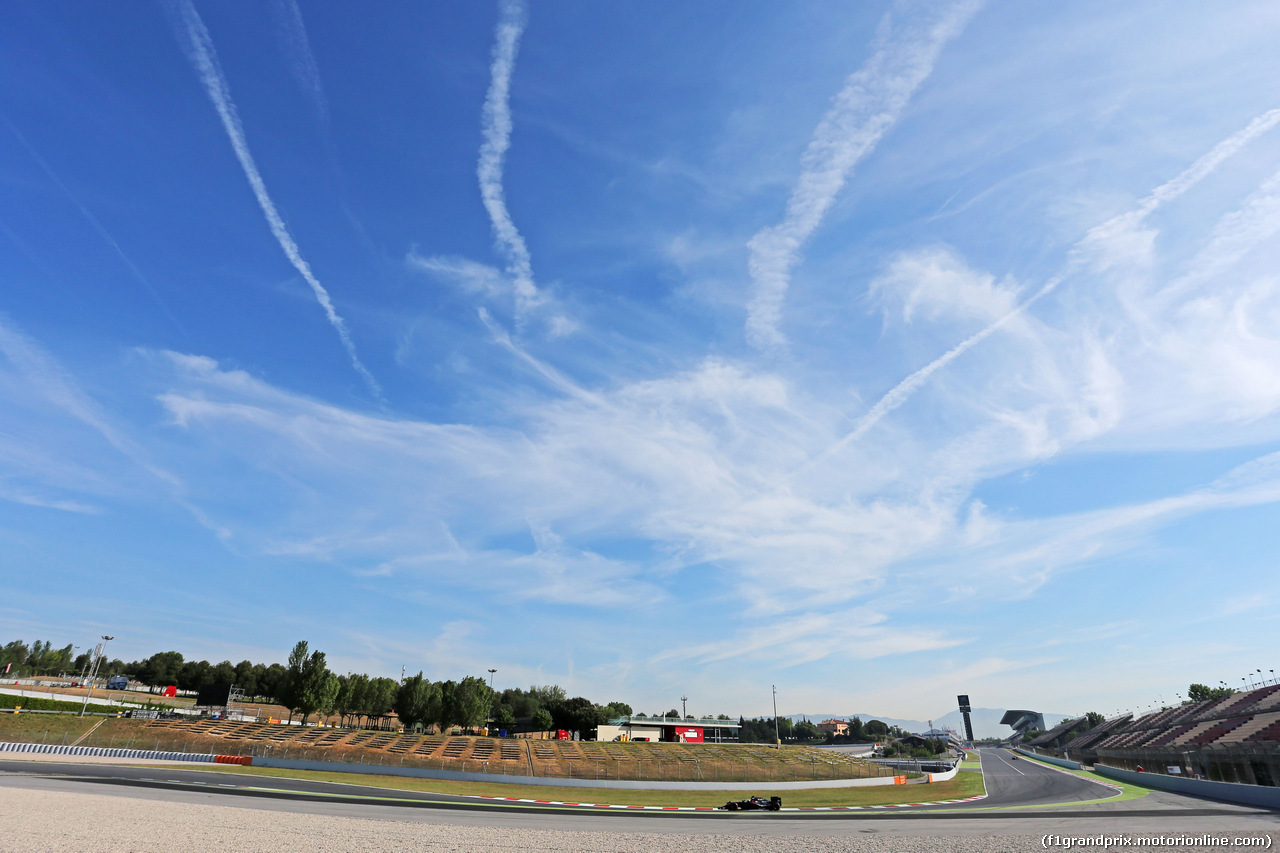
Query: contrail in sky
{"x": 496, "y": 128}
{"x": 302, "y": 60}
{"x": 1167, "y": 191}
{"x": 205, "y": 60}
{"x": 870, "y": 103}
{"x": 93, "y": 220}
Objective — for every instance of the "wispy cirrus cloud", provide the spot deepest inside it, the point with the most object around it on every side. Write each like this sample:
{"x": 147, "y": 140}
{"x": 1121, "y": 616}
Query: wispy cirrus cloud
{"x": 199, "y": 46}
{"x": 870, "y": 103}
{"x": 1241, "y": 230}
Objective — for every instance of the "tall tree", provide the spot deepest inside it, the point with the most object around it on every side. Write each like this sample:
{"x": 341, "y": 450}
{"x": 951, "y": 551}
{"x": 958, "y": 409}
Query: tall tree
{"x": 472, "y": 701}
{"x": 417, "y": 701}
{"x": 287, "y": 690}
{"x": 316, "y": 688}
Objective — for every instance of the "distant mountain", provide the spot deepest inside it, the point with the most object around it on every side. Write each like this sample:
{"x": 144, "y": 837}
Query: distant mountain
{"x": 986, "y": 721}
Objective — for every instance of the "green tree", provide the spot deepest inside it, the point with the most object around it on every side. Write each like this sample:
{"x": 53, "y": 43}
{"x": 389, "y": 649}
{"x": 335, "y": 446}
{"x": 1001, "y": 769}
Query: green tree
{"x": 195, "y": 674}
{"x": 618, "y": 709}
{"x": 315, "y": 688}
{"x": 161, "y": 669}
{"x": 542, "y": 721}
{"x": 805, "y": 730}
{"x": 471, "y": 702}
{"x": 1093, "y": 719}
{"x": 504, "y": 717}
{"x": 380, "y": 697}
{"x": 447, "y": 713}
{"x": 292, "y": 681}
{"x": 417, "y": 702}
{"x": 222, "y": 673}
{"x": 1204, "y": 693}
{"x": 547, "y": 695}
{"x": 876, "y": 729}
{"x": 246, "y": 678}
{"x": 351, "y": 690}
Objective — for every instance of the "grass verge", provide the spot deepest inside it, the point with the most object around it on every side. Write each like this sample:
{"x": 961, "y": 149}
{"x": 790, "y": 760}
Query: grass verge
{"x": 959, "y": 788}
{"x": 43, "y": 728}
{"x": 8, "y": 701}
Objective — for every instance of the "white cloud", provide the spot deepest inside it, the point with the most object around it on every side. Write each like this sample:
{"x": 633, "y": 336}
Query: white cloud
{"x": 871, "y": 102}
{"x": 937, "y": 286}
{"x": 471, "y": 276}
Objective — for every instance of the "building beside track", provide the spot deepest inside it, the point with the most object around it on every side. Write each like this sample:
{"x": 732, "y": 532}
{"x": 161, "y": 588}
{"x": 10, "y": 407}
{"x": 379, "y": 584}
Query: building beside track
{"x": 670, "y": 730}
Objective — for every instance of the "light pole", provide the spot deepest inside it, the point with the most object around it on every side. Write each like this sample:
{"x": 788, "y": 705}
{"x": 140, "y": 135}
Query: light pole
{"x": 100, "y": 653}
{"x": 775, "y": 718}
{"x": 491, "y": 672}
{"x": 684, "y": 706}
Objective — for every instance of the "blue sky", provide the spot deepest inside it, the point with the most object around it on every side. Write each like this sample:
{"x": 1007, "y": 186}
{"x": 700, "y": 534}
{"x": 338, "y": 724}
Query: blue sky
{"x": 879, "y": 351}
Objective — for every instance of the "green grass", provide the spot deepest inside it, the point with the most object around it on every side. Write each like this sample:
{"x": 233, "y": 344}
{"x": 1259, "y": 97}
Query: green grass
{"x": 959, "y": 788}
{"x": 43, "y": 728}
{"x": 34, "y": 703}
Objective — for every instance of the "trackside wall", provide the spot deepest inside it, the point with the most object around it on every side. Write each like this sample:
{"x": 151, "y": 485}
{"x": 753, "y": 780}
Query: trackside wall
{"x": 1232, "y": 792}
{"x": 1061, "y": 762}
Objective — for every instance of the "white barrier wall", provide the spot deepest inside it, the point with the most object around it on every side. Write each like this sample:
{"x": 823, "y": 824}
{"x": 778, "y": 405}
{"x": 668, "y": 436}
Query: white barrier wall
{"x": 1232, "y": 792}
{"x": 1061, "y": 762}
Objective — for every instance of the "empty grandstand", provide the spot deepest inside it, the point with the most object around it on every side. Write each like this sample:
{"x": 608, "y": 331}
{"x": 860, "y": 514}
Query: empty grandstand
{"x": 1022, "y": 722}
{"x": 1059, "y": 734}
{"x": 1234, "y": 739}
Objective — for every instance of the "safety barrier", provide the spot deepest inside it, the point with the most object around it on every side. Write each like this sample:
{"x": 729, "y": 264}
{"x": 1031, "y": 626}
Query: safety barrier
{"x": 110, "y": 752}
{"x": 1232, "y": 792}
{"x": 944, "y": 777}
{"x": 246, "y": 760}
{"x": 1061, "y": 762}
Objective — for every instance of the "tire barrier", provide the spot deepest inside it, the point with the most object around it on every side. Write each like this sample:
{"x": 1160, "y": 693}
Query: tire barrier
{"x": 112, "y": 752}
{"x": 246, "y": 760}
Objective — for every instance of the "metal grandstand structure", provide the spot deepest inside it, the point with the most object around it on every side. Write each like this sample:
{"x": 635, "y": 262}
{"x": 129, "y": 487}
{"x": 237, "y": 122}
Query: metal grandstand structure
{"x": 1233, "y": 739}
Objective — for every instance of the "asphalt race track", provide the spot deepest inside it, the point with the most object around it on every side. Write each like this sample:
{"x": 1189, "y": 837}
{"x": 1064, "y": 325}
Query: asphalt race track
{"x": 1024, "y": 797}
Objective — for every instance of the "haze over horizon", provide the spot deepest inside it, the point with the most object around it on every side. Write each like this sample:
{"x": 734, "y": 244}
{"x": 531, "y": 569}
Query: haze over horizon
{"x": 880, "y": 353}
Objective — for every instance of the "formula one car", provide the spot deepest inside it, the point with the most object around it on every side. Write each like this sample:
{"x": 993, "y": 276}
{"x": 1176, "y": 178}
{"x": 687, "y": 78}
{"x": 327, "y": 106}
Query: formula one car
{"x": 754, "y": 804}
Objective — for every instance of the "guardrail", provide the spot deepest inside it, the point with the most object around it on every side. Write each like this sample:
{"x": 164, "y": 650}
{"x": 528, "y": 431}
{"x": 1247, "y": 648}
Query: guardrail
{"x": 1048, "y": 759}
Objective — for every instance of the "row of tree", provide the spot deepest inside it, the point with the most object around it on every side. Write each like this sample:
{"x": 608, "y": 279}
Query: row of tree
{"x": 307, "y": 687}
{"x": 41, "y": 658}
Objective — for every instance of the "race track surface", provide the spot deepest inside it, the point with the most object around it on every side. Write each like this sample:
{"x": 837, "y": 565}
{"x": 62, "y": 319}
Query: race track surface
{"x": 1025, "y": 798}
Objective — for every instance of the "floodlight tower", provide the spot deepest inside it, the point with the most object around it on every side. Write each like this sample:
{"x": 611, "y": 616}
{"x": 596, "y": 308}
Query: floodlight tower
{"x": 775, "y": 717}
{"x": 684, "y": 706}
{"x": 98, "y": 654}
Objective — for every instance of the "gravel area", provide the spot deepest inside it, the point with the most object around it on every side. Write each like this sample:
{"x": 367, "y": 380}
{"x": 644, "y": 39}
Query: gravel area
{"x": 33, "y": 820}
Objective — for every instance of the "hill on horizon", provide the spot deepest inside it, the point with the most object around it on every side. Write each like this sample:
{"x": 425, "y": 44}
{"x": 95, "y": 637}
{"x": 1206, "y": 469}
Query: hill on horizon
{"x": 986, "y": 721}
